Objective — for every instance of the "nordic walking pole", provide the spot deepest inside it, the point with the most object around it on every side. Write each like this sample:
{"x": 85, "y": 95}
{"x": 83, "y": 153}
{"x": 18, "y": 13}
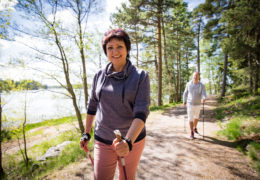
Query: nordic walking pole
{"x": 119, "y": 138}
{"x": 91, "y": 159}
{"x": 203, "y": 120}
{"x": 87, "y": 151}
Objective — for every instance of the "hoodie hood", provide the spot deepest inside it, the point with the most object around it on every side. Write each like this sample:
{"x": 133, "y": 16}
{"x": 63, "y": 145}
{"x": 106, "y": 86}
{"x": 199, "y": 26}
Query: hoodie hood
{"x": 119, "y": 75}
{"x": 109, "y": 73}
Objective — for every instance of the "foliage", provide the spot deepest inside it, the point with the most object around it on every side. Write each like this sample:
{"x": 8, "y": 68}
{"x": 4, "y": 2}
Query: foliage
{"x": 12, "y": 133}
{"x": 36, "y": 169}
{"x": 23, "y": 84}
{"x": 233, "y": 129}
{"x": 163, "y": 107}
{"x": 166, "y": 59}
{"x": 254, "y": 153}
{"x": 243, "y": 126}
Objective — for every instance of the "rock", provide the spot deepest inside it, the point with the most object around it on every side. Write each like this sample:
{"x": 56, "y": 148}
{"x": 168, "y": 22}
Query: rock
{"x": 54, "y": 151}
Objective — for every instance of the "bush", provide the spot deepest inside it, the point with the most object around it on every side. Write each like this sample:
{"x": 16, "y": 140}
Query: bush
{"x": 232, "y": 130}
{"x": 254, "y": 153}
{"x": 239, "y": 92}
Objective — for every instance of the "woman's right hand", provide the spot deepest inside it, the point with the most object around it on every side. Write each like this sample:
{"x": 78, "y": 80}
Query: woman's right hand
{"x": 84, "y": 143}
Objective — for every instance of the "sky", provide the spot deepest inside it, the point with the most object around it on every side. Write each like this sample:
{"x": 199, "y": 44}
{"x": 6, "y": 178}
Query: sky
{"x": 10, "y": 50}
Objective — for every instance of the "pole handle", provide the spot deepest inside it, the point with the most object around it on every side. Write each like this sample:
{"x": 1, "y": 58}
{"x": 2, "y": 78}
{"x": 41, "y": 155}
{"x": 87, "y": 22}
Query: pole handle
{"x": 118, "y": 135}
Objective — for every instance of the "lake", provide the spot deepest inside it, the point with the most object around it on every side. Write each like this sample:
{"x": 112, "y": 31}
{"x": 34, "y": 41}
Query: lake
{"x": 41, "y": 105}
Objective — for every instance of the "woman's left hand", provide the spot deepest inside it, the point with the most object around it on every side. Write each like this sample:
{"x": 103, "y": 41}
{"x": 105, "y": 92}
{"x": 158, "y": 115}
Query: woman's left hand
{"x": 121, "y": 148}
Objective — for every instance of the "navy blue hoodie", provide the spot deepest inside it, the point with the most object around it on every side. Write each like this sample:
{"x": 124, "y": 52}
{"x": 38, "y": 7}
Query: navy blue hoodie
{"x": 117, "y": 98}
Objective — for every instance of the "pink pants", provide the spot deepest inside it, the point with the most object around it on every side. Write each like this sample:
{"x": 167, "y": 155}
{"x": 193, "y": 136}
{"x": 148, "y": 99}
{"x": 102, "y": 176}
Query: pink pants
{"x": 106, "y": 160}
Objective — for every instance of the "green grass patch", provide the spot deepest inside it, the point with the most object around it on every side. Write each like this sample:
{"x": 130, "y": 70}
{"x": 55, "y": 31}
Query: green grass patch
{"x": 12, "y": 133}
{"x": 16, "y": 168}
{"x": 254, "y": 154}
{"x": 243, "y": 112}
{"x": 232, "y": 130}
{"x": 163, "y": 107}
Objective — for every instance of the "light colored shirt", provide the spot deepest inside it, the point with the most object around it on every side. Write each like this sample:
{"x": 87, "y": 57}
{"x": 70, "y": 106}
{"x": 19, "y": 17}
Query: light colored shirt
{"x": 194, "y": 93}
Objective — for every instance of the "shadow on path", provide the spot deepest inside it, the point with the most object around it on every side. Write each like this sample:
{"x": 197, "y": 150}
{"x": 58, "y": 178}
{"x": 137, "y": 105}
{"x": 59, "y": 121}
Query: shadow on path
{"x": 170, "y": 154}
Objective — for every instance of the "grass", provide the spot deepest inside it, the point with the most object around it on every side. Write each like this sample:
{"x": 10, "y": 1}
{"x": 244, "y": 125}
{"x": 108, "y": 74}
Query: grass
{"x": 16, "y": 169}
{"x": 163, "y": 107}
{"x": 243, "y": 125}
{"x": 14, "y": 165}
{"x": 12, "y": 133}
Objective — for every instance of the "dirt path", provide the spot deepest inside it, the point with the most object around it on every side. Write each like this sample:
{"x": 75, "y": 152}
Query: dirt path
{"x": 170, "y": 154}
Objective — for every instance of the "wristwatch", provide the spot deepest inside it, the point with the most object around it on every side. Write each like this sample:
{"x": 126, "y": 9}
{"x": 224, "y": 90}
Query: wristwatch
{"x": 129, "y": 142}
{"x": 85, "y": 137}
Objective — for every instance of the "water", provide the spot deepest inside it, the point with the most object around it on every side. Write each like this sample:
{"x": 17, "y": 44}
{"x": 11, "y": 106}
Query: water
{"x": 41, "y": 105}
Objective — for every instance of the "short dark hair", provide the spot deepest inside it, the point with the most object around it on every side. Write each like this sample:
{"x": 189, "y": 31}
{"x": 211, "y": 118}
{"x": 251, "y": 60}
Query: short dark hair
{"x": 119, "y": 34}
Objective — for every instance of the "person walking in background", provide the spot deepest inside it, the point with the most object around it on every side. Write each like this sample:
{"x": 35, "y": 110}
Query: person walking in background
{"x": 120, "y": 100}
{"x": 193, "y": 95}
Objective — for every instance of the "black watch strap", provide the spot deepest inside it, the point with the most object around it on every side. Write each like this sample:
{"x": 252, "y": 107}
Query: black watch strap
{"x": 129, "y": 142}
{"x": 85, "y": 137}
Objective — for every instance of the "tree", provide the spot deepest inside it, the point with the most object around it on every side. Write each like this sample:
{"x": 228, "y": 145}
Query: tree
{"x": 56, "y": 34}
{"x": 129, "y": 18}
{"x": 197, "y": 16}
{"x": 4, "y": 87}
{"x": 81, "y": 10}
{"x": 216, "y": 29}
{"x": 242, "y": 23}
{"x": 161, "y": 27}
{"x": 24, "y": 153}
{"x": 6, "y": 8}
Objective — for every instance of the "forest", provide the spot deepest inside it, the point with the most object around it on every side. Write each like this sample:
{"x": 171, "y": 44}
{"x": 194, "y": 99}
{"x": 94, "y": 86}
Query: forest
{"x": 218, "y": 38}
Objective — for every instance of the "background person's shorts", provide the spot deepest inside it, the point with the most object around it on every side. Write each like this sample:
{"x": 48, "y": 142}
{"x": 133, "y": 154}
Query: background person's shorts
{"x": 193, "y": 112}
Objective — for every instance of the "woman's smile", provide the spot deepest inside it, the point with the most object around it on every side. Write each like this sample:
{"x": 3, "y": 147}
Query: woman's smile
{"x": 117, "y": 53}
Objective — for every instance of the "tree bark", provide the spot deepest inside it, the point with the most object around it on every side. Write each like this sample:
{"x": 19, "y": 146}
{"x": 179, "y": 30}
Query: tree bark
{"x": 159, "y": 55}
{"x": 179, "y": 77}
{"x": 250, "y": 73}
{"x": 83, "y": 62}
{"x": 223, "y": 91}
{"x": 1, "y": 163}
{"x": 168, "y": 72}
{"x": 24, "y": 136}
{"x": 257, "y": 60}
{"x": 198, "y": 47}
{"x": 67, "y": 78}
{"x": 137, "y": 48}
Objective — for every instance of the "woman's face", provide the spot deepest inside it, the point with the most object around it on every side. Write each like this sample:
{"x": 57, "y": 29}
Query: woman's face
{"x": 116, "y": 52}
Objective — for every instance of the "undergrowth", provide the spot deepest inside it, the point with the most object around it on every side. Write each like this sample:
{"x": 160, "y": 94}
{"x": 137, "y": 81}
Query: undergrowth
{"x": 239, "y": 117}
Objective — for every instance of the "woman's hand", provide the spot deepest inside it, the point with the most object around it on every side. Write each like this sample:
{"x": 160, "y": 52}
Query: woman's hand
{"x": 121, "y": 148}
{"x": 84, "y": 144}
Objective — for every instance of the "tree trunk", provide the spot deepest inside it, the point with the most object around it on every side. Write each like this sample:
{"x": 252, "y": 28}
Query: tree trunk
{"x": 250, "y": 73}
{"x": 1, "y": 163}
{"x": 83, "y": 62}
{"x": 69, "y": 85}
{"x": 169, "y": 74}
{"x": 210, "y": 85}
{"x": 24, "y": 137}
{"x": 256, "y": 75}
{"x": 137, "y": 48}
{"x": 179, "y": 77}
{"x": 159, "y": 55}
{"x": 198, "y": 47}
{"x": 257, "y": 60}
{"x": 223, "y": 91}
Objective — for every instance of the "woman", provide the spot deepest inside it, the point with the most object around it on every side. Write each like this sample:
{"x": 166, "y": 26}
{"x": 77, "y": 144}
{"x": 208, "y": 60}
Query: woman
{"x": 120, "y": 100}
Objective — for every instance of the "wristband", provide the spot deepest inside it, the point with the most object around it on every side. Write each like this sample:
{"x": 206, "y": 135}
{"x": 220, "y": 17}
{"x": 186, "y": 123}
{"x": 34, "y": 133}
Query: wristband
{"x": 129, "y": 142}
{"x": 85, "y": 137}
